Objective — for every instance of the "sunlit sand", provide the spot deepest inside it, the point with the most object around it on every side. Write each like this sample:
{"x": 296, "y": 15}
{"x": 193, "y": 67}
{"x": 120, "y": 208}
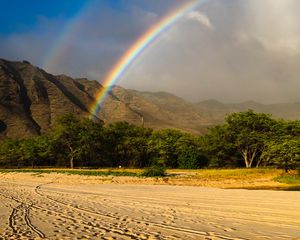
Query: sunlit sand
{"x": 53, "y": 206}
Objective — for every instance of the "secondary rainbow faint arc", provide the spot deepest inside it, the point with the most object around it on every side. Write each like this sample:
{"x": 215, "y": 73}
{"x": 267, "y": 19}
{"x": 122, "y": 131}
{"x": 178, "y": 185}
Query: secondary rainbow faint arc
{"x": 59, "y": 47}
{"x": 136, "y": 49}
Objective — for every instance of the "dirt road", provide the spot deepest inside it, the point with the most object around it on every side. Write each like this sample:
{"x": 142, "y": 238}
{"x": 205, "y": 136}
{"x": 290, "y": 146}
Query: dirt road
{"x": 50, "y": 207}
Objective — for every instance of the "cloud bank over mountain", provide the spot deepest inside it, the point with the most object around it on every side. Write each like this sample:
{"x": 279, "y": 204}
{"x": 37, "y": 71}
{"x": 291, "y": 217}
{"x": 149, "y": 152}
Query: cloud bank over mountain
{"x": 227, "y": 50}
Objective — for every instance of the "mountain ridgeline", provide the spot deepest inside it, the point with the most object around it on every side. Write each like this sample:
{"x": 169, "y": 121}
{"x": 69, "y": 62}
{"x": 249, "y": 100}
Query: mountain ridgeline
{"x": 31, "y": 99}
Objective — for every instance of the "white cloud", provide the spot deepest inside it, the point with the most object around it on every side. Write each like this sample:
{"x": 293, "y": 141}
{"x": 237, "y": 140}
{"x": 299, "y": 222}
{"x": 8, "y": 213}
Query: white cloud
{"x": 275, "y": 24}
{"x": 201, "y": 18}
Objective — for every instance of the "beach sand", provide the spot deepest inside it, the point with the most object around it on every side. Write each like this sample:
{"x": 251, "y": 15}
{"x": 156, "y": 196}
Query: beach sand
{"x": 58, "y": 206}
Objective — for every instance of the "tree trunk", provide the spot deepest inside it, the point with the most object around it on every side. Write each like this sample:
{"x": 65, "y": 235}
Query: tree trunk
{"x": 72, "y": 157}
{"x": 262, "y": 161}
{"x": 72, "y": 162}
{"x": 248, "y": 156}
{"x": 286, "y": 167}
{"x": 246, "y": 159}
{"x": 258, "y": 162}
{"x": 253, "y": 155}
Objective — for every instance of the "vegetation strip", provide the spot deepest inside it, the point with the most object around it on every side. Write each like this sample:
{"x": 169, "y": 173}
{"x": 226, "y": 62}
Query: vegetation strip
{"x": 72, "y": 172}
{"x": 246, "y": 139}
{"x": 264, "y": 178}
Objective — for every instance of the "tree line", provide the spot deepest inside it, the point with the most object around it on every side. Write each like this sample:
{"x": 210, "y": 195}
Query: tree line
{"x": 246, "y": 139}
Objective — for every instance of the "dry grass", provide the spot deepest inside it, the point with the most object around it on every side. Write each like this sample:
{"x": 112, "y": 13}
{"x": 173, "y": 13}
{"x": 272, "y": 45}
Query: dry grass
{"x": 85, "y": 172}
{"x": 221, "y": 178}
{"x": 263, "y": 178}
{"x": 221, "y": 174}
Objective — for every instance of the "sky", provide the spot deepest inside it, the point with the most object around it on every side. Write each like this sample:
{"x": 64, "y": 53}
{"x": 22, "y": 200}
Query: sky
{"x": 231, "y": 51}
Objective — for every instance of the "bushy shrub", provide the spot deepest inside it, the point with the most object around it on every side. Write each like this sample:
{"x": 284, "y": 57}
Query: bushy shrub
{"x": 154, "y": 171}
{"x": 192, "y": 159}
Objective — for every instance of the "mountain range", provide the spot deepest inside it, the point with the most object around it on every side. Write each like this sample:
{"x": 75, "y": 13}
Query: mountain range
{"x": 31, "y": 99}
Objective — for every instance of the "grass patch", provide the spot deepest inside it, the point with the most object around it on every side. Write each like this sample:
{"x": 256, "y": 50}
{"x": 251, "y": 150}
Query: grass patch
{"x": 264, "y": 178}
{"x": 206, "y": 174}
{"x": 154, "y": 171}
{"x": 291, "y": 179}
{"x": 84, "y": 172}
{"x": 236, "y": 174}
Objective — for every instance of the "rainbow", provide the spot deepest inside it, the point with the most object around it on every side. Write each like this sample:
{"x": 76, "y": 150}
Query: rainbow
{"x": 60, "y": 47}
{"x": 137, "y": 49}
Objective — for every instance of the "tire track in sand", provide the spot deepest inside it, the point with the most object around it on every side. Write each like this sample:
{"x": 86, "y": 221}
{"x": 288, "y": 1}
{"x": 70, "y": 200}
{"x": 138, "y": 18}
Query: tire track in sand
{"x": 39, "y": 191}
{"x": 22, "y": 212}
{"x": 16, "y": 229}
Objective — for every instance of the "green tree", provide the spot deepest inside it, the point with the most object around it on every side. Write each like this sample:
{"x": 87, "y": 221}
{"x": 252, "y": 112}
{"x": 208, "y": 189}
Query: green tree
{"x": 10, "y": 154}
{"x": 190, "y": 154}
{"x": 249, "y": 132}
{"x": 163, "y": 147}
{"x": 67, "y": 135}
{"x": 291, "y": 128}
{"x": 283, "y": 153}
{"x": 76, "y": 139}
{"x": 34, "y": 151}
{"x": 219, "y": 146}
{"x": 127, "y": 144}
{"x": 92, "y": 140}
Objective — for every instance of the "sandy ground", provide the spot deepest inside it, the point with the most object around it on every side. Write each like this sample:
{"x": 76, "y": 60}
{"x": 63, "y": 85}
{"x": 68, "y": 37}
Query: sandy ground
{"x": 55, "y": 206}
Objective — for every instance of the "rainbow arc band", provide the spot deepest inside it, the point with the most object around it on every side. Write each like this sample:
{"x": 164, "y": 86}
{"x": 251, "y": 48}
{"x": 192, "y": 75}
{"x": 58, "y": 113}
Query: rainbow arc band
{"x": 145, "y": 41}
{"x": 61, "y": 46}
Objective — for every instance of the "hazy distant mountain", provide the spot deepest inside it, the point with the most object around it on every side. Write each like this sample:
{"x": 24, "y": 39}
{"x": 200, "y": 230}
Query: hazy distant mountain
{"x": 162, "y": 110}
{"x": 218, "y": 110}
{"x": 31, "y": 99}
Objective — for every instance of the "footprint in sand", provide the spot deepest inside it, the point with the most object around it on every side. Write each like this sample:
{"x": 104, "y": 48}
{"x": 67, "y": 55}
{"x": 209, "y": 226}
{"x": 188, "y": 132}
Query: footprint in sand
{"x": 228, "y": 229}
